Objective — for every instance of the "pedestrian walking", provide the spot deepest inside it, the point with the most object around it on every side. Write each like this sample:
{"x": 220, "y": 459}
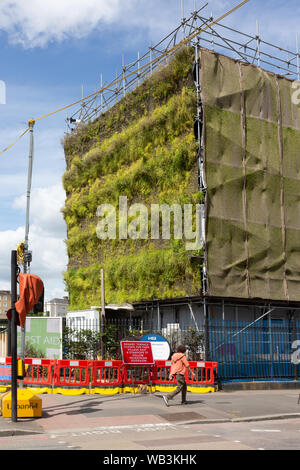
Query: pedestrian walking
{"x": 179, "y": 366}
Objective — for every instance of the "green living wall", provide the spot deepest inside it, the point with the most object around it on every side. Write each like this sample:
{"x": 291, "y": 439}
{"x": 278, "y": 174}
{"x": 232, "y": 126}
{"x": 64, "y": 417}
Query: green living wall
{"x": 143, "y": 148}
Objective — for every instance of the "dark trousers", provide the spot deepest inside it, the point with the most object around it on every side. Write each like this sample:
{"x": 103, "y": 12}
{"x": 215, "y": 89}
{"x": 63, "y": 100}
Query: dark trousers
{"x": 181, "y": 387}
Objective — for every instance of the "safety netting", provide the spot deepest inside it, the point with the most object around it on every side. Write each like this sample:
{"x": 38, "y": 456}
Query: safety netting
{"x": 252, "y": 170}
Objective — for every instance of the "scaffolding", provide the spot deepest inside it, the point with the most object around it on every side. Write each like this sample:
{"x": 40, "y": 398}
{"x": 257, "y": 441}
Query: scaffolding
{"x": 197, "y": 31}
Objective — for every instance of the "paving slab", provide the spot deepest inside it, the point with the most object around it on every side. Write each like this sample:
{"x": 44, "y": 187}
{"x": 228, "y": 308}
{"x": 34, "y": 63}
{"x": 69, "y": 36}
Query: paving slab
{"x": 88, "y": 412}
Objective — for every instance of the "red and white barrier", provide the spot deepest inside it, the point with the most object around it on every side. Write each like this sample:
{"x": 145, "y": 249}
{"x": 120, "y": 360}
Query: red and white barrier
{"x": 204, "y": 373}
{"x": 72, "y": 373}
{"x": 106, "y": 373}
{"x": 39, "y": 371}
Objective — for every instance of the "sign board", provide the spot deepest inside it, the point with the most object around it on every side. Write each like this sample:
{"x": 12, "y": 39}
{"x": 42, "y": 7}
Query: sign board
{"x": 137, "y": 352}
{"x": 5, "y": 373}
{"x": 160, "y": 346}
{"x": 5, "y": 370}
{"x": 44, "y": 334}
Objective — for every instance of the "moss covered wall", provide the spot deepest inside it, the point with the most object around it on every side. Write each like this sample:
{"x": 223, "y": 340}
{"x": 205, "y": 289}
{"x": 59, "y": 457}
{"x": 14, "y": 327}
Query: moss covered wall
{"x": 143, "y": 148}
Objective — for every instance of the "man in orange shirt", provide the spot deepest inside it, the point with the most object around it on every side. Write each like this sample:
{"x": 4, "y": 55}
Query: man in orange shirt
{"x": 179, "y": 366}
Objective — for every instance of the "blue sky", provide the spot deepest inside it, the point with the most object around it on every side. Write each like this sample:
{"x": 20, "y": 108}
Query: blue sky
{"x": 48, "y": 50}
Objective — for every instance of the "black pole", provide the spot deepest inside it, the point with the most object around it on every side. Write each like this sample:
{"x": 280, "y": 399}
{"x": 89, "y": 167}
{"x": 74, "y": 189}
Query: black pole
{"x": 14, "y": 360}
{"x": 206, "y": 331}
{"x": 9, "y": 338}
{"x": 294, "y": 338}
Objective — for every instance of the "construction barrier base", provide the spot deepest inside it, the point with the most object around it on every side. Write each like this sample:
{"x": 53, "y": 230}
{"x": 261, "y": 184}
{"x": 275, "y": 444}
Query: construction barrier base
{"x": 117, "y": 390}
{"x": 106, "y": 391}
{"x": 40, "y": 390}
{"x": 192, "y": 389}
{"x": 110, "y": 391}
{"x": 71, "y": 391}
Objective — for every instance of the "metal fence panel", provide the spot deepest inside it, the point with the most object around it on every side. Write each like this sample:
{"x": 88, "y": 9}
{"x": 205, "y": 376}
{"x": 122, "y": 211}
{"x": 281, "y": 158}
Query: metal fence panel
{"x": 87, "y": 339}
{"x": 262, "y": 350}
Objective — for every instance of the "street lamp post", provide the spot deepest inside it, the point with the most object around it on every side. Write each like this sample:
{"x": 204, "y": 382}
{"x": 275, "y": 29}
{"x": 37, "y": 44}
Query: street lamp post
{"x": 27, "y": 253}
{"x": 13, "y": 326}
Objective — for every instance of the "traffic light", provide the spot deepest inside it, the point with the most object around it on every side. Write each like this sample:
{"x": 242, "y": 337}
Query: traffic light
{"x": 39, "y": 306}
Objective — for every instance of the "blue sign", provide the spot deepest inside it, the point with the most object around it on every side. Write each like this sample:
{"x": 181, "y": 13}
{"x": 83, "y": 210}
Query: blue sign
{"x": 160, "y": 346}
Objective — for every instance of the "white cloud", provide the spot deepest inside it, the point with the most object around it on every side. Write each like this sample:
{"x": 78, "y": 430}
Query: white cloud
{"x": 45, "y": 206}
{"x": 46, "y": 239}
{"x": 35, "y": 22}
{"x": 9, "y": 240}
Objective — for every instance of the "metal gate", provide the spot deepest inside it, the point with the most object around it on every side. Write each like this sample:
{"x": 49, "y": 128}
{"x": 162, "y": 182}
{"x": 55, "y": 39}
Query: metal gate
{"x": 262, "y": 350}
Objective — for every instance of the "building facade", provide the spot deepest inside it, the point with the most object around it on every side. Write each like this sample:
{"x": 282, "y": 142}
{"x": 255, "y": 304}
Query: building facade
{"x": 239, "y": 161}
{"x": 5, "y": 303}
{"x": 57, "y": 307}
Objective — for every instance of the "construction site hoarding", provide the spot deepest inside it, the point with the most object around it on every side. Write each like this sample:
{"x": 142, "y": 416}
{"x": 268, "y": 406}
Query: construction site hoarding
{"x": 252, "y": 169}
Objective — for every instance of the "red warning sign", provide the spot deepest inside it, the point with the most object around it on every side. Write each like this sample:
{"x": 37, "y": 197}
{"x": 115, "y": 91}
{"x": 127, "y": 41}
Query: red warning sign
{"x": 137, "y": 352}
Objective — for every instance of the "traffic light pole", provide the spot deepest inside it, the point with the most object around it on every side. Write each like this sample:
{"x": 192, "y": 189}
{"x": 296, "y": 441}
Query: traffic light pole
{"x": 14, "y": 356}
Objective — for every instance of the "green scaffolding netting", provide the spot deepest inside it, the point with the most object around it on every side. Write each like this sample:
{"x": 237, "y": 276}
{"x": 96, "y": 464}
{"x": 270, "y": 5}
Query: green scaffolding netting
{"x": 252, "y": 170}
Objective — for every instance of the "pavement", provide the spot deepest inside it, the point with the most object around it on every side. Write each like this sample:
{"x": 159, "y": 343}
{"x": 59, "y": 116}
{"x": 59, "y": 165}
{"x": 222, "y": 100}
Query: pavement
{"x": 91, "y": 412}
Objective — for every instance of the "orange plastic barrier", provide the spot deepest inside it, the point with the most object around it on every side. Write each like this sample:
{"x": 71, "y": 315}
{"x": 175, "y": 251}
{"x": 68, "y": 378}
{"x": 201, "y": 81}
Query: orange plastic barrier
{"x": 39, "y": 371}
{"x": 204, "y": 372}
{"x": 106, "y": 373}
{"x": 72, "y": 373}
{"x": 161, "y": 373}
{"x": 68, "y": 373}
{"x": 5, "y": 360}
{"x": 137, "y": 375}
